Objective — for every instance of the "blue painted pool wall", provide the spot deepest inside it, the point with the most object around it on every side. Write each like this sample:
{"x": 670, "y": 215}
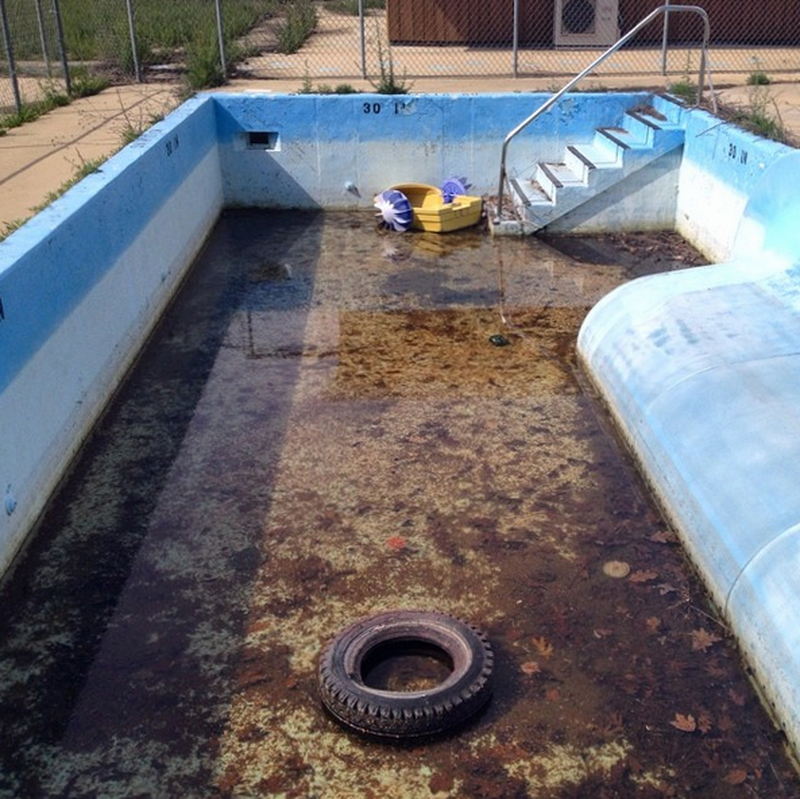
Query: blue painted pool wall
{"x": 81, "y": 286}
{"x": 721, "y": 166}
{"x": 369, "y": 142}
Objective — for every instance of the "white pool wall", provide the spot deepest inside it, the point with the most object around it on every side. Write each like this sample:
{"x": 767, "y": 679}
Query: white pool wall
{"x": 81, "y": 286}
{"x": 701, "y": 370}
{"x": 338, "y": 152}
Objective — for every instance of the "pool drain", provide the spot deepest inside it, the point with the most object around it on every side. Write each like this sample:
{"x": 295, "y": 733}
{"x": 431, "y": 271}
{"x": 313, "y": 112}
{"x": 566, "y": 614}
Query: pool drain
{"x": 406, "y": 673}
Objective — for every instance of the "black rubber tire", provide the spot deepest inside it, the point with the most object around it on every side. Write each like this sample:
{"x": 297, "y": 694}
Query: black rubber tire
{"x": 392, "y": 714}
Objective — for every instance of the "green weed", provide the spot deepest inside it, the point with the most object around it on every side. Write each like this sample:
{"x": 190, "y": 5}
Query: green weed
{"x": 387, "y": 83}
{"x": 298, "y": 24}
{"x": 760, "y": 115}
{"x": 9, "y": 227}
{"x": 758, "y": 79}
{"x": 52, "y": 98}
{"x": 684, "y": 89}
{"x": 84, "y": 169}
{"x": 85, "y": 84}
{"x": 203, "y": 65}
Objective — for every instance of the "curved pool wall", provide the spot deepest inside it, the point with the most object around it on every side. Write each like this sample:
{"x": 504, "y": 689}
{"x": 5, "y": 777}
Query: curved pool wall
{"x": 701, "y": 370}
{"x": 698, "y": 367}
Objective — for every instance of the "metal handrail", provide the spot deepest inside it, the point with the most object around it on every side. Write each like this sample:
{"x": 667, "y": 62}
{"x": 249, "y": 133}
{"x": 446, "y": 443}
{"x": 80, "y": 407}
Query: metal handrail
{"x": 599, "y": 60}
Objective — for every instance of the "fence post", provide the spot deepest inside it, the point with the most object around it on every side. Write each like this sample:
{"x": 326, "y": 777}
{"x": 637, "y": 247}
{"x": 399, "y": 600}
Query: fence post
{"x": 516, "y": 38}
{"x": 62, "y": 50}
{"x": 221, "y": 37}
{"x": 664, "y": 35}
{"x": 12, "y": 69}
{"x": 362, "y": 37}
{"x": 43, "y": 37}
{"x": 137, "y": 70}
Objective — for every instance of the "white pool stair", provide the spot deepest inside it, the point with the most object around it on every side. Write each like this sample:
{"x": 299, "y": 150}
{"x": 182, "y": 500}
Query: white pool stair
{"x": 587, "y": 169}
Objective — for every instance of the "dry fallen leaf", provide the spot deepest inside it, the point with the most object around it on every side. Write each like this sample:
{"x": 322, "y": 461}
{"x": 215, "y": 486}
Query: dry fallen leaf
{"x": 664, "y": 537}
{"x": 530, "y": 667}
{"x": 643, "y": 576}
{"x": 737, "y": 697}
{"x": 614, "y": 722}
{"x": 684, "y": 723}
{"x": 552, "y": 694}
{"x": 653, "y": 623}
{"x": 735, "y": 776}
{"x": 543, "y": 646}
{"x": 702, "y": 639}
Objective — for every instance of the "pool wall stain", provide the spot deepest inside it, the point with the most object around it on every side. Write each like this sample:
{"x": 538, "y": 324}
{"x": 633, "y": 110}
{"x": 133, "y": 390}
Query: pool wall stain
{"x": 327, "y": 143}
{"x": 81, "y": 286}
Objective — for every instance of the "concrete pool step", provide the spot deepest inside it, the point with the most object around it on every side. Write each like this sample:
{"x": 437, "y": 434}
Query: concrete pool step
{"x": 587, "y": 169}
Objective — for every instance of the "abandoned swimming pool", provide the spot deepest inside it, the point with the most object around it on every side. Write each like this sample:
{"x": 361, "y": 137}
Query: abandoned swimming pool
{"x": 309, "y": 353}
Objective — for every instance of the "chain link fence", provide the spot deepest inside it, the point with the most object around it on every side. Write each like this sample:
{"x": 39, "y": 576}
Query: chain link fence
{"x": 336, "y": 40}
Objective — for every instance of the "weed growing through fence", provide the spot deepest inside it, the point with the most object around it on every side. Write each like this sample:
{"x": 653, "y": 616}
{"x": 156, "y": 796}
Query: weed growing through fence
{"x": 203, "y": 65}
{"x": 85, "y": 84}
{"x": 298, "y": 24}
{"x": 388, "y": 84}
{"x": 758, "y": 79}
{"x": 52, "y": 98}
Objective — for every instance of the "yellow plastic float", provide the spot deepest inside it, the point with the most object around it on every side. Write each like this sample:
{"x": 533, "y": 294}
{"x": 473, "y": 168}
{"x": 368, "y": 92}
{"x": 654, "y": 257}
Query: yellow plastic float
{"x": 433, "y": 214}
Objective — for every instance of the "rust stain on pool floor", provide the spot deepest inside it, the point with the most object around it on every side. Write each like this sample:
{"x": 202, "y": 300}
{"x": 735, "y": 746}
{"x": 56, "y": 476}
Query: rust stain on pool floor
{"x": 320, "y": 429}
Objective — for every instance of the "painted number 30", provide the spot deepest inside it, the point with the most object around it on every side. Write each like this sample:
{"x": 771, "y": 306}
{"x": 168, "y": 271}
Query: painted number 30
{"x": 371, "y": 108}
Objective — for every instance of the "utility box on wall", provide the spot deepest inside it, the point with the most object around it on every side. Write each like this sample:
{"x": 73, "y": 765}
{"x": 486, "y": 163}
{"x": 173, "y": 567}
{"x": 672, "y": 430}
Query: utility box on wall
{"x": 586, "y": 23}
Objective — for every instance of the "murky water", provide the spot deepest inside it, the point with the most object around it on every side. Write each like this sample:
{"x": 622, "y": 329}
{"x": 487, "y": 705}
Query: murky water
{"x": 321, "y": 429}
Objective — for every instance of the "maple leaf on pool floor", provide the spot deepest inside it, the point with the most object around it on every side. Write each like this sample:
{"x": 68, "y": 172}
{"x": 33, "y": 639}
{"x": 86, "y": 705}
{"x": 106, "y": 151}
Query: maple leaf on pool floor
{"x": 702, "y": 639}
{"x": 543, "y": 646}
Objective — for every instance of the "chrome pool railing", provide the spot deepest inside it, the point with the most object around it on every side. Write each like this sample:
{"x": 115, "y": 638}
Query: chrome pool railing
{"x": 550, "y": 102}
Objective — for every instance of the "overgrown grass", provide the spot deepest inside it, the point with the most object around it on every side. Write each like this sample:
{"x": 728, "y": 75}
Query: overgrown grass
{"x": 297, "y": 26}
{"x": 84, "y": 169}
{"x": 97, "y": 30}
{"x": 81, "y": 171}
{"x": 684, "y": 90}
{"x": 760, "y": 115}
{"x": 84, "y": 84}
{"x": 9, "y": 227}
{"x": 52, "y": 98}
{"x": 203, "y": 65}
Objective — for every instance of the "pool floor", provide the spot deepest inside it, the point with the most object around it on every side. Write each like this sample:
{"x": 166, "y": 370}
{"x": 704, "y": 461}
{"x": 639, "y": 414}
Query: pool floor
{"x": 320, "y": 429}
